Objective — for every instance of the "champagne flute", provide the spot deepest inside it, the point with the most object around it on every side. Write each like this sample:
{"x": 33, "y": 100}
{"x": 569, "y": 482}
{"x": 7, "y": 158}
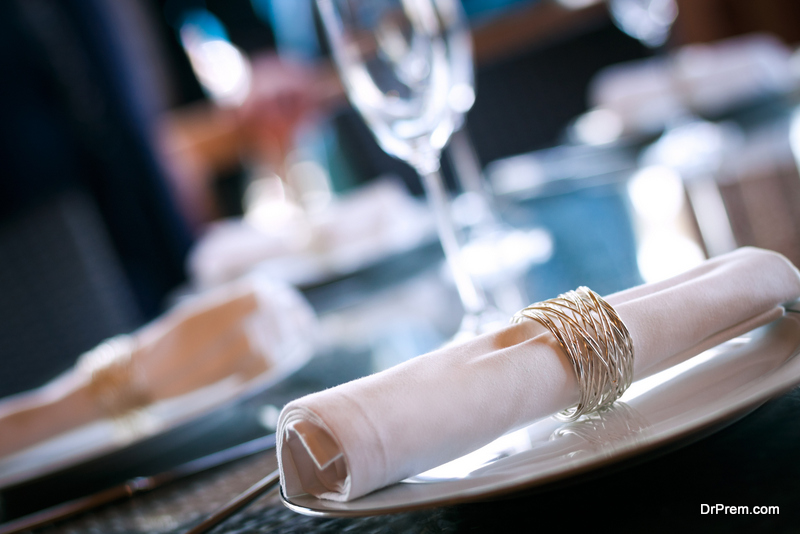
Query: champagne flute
{"x": 407, "y": 69}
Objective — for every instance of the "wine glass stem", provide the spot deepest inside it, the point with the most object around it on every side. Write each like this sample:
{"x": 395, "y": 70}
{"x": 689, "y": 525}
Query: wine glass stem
{"x": 471, "y": 296}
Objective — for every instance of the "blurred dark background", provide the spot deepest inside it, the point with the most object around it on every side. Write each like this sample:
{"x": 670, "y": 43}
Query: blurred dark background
{"x": 92, "y": 241}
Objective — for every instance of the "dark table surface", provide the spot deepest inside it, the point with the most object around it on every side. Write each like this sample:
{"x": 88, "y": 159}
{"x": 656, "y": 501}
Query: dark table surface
{"x": 751, "y": 462}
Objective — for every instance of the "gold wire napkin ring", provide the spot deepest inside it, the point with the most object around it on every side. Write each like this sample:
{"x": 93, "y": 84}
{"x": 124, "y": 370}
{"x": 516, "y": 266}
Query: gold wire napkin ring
{"x": 595, "y": 341}
{"x": 115, "y": 381}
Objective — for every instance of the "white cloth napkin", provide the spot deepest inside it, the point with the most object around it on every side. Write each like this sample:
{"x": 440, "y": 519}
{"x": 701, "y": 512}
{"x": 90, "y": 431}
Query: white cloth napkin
{"x": 205, "y": 350}
{"x": 708, "y": 78}
{"x": 347, "y": 441}
{"x": 368, "y": 224}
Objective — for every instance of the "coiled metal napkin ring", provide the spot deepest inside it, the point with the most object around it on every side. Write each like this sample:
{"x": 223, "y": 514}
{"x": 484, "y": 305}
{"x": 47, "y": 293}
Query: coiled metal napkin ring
{"x": 596, "y": 342}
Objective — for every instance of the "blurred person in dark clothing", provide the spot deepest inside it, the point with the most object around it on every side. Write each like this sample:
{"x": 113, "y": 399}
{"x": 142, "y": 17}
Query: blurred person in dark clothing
{"x": 98, "y": 180}
{"x": 90, "y": 238}
{"x": 77, "y": 119}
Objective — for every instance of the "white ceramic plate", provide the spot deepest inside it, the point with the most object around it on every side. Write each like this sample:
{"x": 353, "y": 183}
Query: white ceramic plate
{"x": 702, "y": 393}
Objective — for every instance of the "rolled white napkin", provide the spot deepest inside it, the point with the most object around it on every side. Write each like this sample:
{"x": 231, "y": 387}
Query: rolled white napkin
{"x": 206, "y": 349}
{"x": 347, "y": 441}
{"x": 301, "y": 248}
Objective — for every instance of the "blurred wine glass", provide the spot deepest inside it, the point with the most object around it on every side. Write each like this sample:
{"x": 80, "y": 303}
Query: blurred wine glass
{"x": 260, "y": 106}
{"x": 407, "y": 69}
{"x": 649, "y": 21}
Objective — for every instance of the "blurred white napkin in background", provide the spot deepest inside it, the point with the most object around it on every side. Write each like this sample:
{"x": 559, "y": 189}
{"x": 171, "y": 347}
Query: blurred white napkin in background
{"x": 244, "y": 330}
{"x": 206, "y": 350}
{"x": 706, "y": 78}
{"x": 347, "y": 441}
{"x": 370, "y": 223}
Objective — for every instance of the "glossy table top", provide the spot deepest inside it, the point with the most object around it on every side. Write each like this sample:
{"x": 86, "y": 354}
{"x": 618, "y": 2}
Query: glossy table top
{"x": 753, "y": 462}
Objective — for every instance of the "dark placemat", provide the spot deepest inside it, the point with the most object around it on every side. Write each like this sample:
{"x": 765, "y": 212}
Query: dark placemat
{"x": 753, "y": 462}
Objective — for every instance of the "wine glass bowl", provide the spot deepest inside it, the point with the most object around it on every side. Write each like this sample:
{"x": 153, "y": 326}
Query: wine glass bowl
{"x": 406, "y": 69}
{"x": 406, "y": 66}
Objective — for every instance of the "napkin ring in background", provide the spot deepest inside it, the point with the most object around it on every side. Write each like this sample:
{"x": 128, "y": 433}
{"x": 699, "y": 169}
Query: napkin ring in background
{"x": 596, "y": 343}
{"x": 115, "y": 381}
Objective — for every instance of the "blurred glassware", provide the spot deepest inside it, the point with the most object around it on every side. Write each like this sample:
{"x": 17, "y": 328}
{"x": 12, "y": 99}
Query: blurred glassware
{"x": 407, "y": 68}
{"x": 271, "y": 98}
{"x": 676, "y": 97}
{"x": 696, "y": 151}
{"x": 312, "y": 168}
{"x": 223, "y": 71}
{"x": 576, "y": 194}
{"x": 649, "y": 21}
{"x": 497, "y": 255}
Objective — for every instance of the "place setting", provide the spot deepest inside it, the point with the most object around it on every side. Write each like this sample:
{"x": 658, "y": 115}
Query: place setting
{"x": 323, "y": 367}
